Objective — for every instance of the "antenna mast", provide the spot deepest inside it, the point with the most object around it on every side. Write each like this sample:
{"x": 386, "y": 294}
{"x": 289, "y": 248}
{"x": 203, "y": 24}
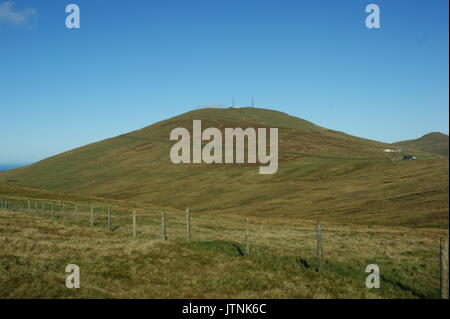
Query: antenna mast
{"x": 253, "y": 102}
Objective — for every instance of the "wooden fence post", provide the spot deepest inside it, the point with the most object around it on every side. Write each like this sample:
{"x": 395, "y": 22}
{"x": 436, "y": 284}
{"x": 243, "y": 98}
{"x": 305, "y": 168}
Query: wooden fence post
{"x": 92, "y": 216}
{"x": 443, "y": 283}
{"x": 188, "y": 223}
{"x": 247, "y": 237}
{"x": 319, "y": 248}
{"x": 163, "y": 225}
{"x": 134, "y": 223}
{"x": 109, "y": 219}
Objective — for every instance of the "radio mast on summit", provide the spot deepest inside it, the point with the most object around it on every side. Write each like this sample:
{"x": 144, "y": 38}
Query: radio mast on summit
{"x": 253, "y": 102}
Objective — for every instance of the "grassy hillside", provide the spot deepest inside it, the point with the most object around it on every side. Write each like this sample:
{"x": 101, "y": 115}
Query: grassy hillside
{"x": 433, "y": 143}
{"x": 36, "y": 248}
{"x": 322, "y": 174}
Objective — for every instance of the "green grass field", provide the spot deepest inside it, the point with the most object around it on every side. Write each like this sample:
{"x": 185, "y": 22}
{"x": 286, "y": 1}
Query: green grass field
{"x": 435, "y": 142}
{"x": 36, "y": 248}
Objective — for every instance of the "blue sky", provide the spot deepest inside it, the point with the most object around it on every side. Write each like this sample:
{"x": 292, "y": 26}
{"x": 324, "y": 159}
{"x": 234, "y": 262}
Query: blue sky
{"x": 133, "y": 63}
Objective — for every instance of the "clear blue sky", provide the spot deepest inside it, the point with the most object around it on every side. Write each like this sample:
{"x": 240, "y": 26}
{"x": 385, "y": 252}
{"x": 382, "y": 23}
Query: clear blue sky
{"x": 133, "y": 63}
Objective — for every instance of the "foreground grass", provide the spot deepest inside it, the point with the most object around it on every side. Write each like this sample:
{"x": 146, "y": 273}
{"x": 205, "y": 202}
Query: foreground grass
{"x": 34, "y": 251}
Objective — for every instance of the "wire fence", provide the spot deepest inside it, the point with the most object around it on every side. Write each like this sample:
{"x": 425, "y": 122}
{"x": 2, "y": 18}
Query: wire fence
{"x": 344, "y": 251}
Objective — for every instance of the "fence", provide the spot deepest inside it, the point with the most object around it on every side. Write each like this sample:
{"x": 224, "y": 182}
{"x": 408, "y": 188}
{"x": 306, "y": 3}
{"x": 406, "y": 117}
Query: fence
{"x": 305, "y": 242}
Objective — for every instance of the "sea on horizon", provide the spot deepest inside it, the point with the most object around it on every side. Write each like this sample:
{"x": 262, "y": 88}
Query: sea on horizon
{"x": 7, "y": 167}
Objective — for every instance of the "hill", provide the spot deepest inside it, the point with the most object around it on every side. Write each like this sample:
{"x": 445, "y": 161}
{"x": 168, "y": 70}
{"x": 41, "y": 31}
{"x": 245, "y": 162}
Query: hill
{"x": 435, "y": 142}
{"x": 322, "y": 174}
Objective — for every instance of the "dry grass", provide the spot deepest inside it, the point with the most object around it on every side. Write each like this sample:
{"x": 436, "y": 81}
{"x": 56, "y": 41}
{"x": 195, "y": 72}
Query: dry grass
{"x": 36, "y": 248}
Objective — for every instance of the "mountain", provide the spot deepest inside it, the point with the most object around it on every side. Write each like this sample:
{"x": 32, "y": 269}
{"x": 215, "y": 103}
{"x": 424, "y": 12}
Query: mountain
{"x": 435, "y": 142}
{"x": 322, "y": 174}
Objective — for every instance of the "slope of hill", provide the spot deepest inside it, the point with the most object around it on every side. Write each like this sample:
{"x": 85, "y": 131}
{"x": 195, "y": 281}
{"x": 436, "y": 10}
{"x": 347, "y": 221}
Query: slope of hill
{"x": 435, "y": 142}
{"x": 322, "y": 173}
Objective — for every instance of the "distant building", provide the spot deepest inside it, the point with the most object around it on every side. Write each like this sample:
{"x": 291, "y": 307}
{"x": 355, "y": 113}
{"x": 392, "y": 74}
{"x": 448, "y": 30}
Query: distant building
{"x": 388, "y": 150}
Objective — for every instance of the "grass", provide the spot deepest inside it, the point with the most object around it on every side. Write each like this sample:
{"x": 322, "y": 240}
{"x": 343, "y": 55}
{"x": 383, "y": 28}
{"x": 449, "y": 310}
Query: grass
{"x": 432, "y": 142}
{"x": 35, "y": 249}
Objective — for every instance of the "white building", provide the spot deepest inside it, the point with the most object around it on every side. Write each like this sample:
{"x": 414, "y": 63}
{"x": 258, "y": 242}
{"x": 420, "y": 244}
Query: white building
{"x": 388, "y": 150}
